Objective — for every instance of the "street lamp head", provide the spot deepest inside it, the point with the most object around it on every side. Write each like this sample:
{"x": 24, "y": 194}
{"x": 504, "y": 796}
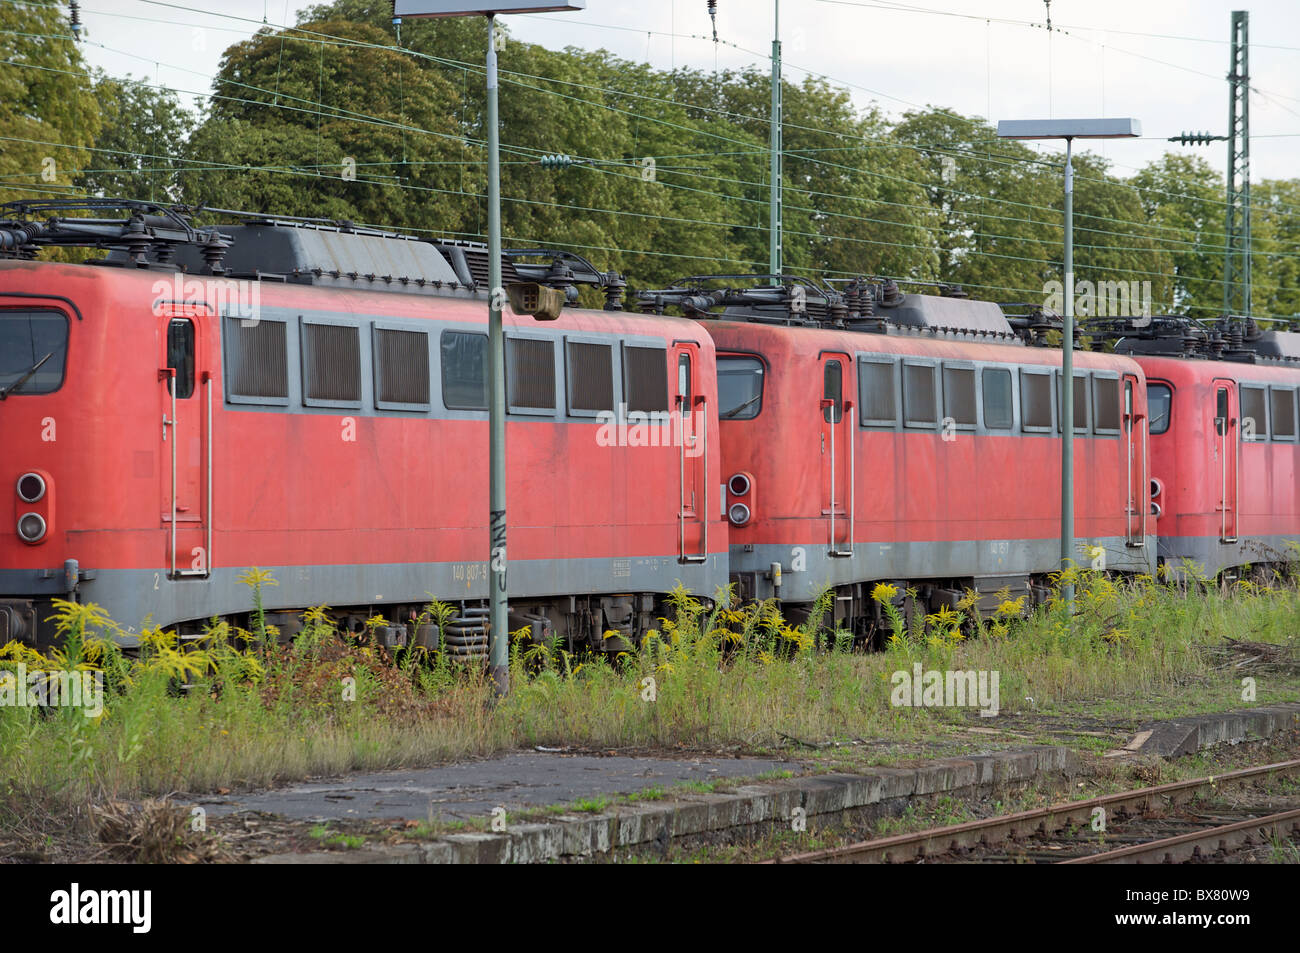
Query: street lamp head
{"x": 1069, "y": 128}
{"x": 464, "y": 8}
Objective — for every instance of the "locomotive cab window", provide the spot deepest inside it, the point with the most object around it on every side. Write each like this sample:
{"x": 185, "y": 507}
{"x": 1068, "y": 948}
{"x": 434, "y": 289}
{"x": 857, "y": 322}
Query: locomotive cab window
{"x": 464, "y": 359}
{"x": 959, "y": 395}
{"x": 833, "y": 391}
{"x": 1254, "y": 413}
{"x": 740, "y": 387}
{"x": 878, "y": 384}
{"x": 998, "y": 412}
{"x": 1282, "y": 409}
{"x": 920, "y": 404}
{"x": 180, "y": 357}
{"x": 1160, "y": 398}
{"x": 33, "y": 351}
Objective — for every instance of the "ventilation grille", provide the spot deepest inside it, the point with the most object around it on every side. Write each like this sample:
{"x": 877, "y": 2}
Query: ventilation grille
{"x": 1036, "y": 400}
{"x": 591, "y": 378}
{"x": 1105, "y": 397}
{"x": 477, "y": 260}
{"x": 402, "y": 366}
{"x": 918, "y": 395}
{"x": 258, "y": 358}
{"x": 645, "y": 378}
{"x": 878, "y": 391}
{"x": 530, "y": 373}
{"x": 959, "y": 395}
{"x": 331, "y": 362}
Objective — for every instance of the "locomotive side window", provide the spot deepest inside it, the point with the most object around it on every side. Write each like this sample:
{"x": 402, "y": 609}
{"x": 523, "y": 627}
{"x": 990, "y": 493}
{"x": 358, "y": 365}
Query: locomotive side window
{"x": 1080, "y": 405}
{"x": 1254, "y": 413}
{"x": 920, "y": 405}
{"x": 833, "y": 390}
{"x": 180, "y": 356}
{"x": 1105, "y": 399}
{"x": 998, "y": 413}
{"x": 530, "y": 374}
{"x": 684, "y": 382}
{"x": 1282, "y": 406}
{"x": 257, "y": 360}
{"x": 1035, "y": 400}
{"x": 878, "y": 383}
{"x": 959, "y": 395}
{"x": 740, "y": 387}
{"x": 331, "y": 363}
{"x": 33, "y": 351}
{"x": 645, "y": 378}
{"x": 591, "y": 378}
{"x": 1160, "y": 400}
{"x": 464, "y": 357}
{"x": 401, "y": 367}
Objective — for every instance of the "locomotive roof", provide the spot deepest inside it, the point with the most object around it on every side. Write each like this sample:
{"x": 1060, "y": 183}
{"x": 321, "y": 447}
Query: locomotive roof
{"x": 810, "y": 341}
{"x": 337, "y": 254}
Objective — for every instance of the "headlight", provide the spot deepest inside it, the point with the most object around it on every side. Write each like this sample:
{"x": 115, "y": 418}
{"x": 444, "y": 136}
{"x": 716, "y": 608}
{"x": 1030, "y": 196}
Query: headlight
{"x": 738, "y": 513}
{"x": 31, "y": 487}
{"x": 31, "y": 527}
{"x": 738, "y": 484}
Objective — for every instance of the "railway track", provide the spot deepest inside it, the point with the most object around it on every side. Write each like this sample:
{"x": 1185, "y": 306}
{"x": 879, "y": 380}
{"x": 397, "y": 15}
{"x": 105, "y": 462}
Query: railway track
{"x": 1048, "y": 835}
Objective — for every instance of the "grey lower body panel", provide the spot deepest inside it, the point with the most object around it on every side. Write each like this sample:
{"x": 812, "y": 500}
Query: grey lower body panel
{"x": 132, "y": 595}
{"x": 808, "y": 569}
{"x": 1211, "y": 556}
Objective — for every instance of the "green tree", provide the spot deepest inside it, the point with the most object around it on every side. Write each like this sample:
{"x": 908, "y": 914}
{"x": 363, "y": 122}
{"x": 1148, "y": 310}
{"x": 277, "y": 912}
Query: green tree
{"x": 48, "y": 113}
{"x": 1183, "y": 208}
{"x": 1275, "y": 252}
{"x": 342, "y": 128}
{"x": 142, "y": 134}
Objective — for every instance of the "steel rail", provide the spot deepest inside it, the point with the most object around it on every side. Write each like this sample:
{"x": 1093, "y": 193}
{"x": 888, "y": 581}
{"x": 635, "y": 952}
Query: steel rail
{"x": 938, "y": 840}
{"x": 1173, "y": 850}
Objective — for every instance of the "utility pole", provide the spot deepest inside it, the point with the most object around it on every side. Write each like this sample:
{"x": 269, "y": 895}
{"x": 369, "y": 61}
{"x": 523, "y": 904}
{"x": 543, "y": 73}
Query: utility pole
{"x": 1236, "y": 267}
{"x": 498, "y": 605}
{"x": 1236, "y": 238}
{"x": 774, "y": 265}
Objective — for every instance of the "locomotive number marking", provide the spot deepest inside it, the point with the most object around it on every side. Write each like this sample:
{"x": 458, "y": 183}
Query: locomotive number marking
{"x": 469, "y": 572}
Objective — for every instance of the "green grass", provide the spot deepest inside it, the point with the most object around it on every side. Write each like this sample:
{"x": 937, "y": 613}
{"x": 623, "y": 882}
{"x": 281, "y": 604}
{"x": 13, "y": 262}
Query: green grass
{"x": 259, "y": 713}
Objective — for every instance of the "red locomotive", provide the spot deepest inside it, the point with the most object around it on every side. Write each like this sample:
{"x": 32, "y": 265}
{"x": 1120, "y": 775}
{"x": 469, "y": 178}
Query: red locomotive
{"x": 310, "y": 398}
{"x": 1224, "y": 447}
{"x": 169, "y": 423}
{"x": 926, "y": 452}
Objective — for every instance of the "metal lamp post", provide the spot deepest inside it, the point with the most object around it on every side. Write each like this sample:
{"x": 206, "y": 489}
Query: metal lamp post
{"x": 497, "y": 599}
{"x": 1069, "y": 130}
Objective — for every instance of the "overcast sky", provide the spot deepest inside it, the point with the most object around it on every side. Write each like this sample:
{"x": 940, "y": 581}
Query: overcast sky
{"x": 1100, "y": 59}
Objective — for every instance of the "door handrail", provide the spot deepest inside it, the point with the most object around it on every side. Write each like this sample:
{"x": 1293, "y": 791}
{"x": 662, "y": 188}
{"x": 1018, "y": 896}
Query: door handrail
{"x": 834, "y": 550}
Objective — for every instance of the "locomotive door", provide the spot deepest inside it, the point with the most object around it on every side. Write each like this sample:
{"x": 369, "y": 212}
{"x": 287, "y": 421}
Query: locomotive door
{"x": 1135, "y": 449}
{"x": 1227, "y": 457}
{"x": 837, "y": 453}
{"x": 692, "y": 445}
{"x": 186, "y": 397}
